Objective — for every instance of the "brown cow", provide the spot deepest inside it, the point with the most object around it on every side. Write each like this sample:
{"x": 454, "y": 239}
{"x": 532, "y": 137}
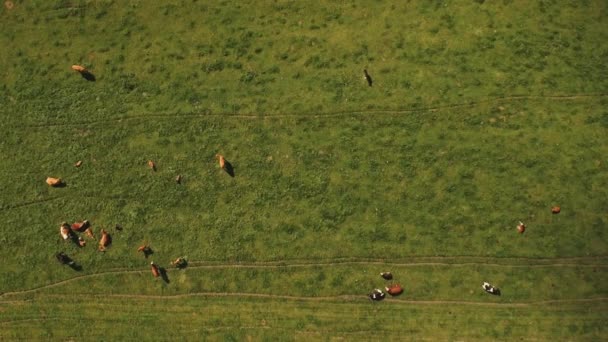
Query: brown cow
{"x": 155, "y": 270}
{"x": 521, "y": 227}
{"x": 556, "y": 210}
{"x": 80, "y": 226}
{"x": 146, "y": 250}
{"x": 179, "y": 262}
{"x": 394, "y": 290}
{"x": 105, "y": 240}
{"x": 53, "y": 181}
{"x": 152, "y": 165}
{"x": 64, "y": 230}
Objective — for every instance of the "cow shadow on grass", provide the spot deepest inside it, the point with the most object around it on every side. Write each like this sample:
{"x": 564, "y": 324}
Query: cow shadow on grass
{"x": 229, "y": 168}
{"x": 87, "y": 75}
{"x": 163, "y": 274}
{"x": 64, "y": 259}
{"x": 147, "y": 252}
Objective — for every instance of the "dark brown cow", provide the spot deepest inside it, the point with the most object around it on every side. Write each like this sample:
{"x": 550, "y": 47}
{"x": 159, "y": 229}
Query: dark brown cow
{"x": 80, "y": 226}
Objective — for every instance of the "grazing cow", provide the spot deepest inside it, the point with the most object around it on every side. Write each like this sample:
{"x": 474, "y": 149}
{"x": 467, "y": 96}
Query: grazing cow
{"x": 179, "y": 262}
{"x": 145, "y": 249}
{"x": 80, "y": 226}
{"x": 89, "y": 233}
{"x": 105, "y": 240}
{"x": 178, "y": 179}
{"x": 221, "y": 160}
{"x": 65, "y": 231}
{"x": 556, "y": 210}
{"x": 490, "y": 289}
{"x": 386, "y": 275}
{"x": 394, "y": 290}
{"x": 81, "y": 242}
{"x": 53, "y": 181}
{"x": 78, "y": 163}
{"x": 521, "y": 227}
{"x": 155, "y": 270}
{"x": 377, "y": 295}
{"x": 368, "y": 78}
{"x": 152, "y": 165}
{"x": 79, "y": 68}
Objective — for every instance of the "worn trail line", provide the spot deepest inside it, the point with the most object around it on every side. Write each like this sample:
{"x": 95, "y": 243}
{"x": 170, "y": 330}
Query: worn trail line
{"x": 376, "y": 112}
{"x": 28, "y": 203}
{"x": 561, "y": 262}
{"x": 415, "y": 260}
{"x": 340, "y": 298}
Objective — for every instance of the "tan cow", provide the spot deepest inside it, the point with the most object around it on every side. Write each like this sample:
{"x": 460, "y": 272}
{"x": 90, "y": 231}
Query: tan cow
{"x": 79, "y": 68}
{"x": 105, "y": 240}
{"x": 152, "y": 165}
{"x": 221, "y": 160}
{"x": 89, "y": 233}
{"x": 53, "y": 181}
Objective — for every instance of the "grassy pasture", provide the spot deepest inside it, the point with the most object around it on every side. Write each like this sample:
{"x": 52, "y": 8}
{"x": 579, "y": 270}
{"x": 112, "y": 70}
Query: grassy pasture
{"x": 479, "y": 117}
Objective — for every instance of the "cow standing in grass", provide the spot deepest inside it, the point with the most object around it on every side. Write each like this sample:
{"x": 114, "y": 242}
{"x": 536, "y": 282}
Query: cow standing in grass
{"x": 154, "y": 269}
{"x": 105, "y": 240}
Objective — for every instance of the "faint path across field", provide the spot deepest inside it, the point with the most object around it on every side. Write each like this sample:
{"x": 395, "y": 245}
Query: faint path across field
{"x": 452, "y": 261}
{"x": 376, "y": 112}
{"x": 28, "y": 203}
{"x": 337, "y": 298}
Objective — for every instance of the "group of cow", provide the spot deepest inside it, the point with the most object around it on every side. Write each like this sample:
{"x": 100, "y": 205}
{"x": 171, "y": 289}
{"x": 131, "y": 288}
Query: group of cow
{"x": 396, "y": 289}
{"x": 70, "y": 232}
{"x": 393, "y": 289}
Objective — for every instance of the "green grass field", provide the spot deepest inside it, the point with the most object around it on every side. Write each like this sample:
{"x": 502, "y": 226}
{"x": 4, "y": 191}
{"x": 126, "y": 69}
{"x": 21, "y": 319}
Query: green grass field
{"x": 482, "y": 114}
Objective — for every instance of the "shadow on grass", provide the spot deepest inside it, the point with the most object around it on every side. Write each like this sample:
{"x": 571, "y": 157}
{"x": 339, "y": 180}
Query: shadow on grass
{"x": 87, "y": 75}
{"x": 163, "y": 274}
{"x": 147, "y": 252}
{"x": 182, "y": 264}
{"x": 229, "y": 169}
{"x": 66, "y": 260}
